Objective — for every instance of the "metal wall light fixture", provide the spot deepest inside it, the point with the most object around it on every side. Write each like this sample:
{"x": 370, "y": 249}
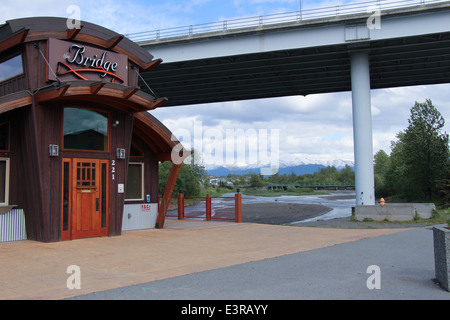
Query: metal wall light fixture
{"x": 53, "y": 150}
{"x": 120, "y": 153}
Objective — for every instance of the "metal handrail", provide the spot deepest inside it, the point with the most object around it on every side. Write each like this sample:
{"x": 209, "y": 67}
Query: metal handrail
{"x": 261, "y": 21}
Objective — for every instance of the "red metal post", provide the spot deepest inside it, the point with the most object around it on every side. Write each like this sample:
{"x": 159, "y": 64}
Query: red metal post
{"x": 238, "y": 207}
{"x": 180, "y": 206}
{"x": 208, "y": 207}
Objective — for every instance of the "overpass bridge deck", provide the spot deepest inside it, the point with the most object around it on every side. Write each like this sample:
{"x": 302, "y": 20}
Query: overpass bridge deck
{"x": 410, "y": 48}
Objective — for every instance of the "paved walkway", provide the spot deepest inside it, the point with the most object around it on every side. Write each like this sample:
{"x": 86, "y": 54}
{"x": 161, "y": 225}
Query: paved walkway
{"x": 405, "y": 263}
{"x": 35, "y": 270}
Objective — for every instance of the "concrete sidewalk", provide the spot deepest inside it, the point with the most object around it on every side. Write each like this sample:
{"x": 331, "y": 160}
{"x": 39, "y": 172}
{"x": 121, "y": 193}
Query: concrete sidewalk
{"x": 34, "y": 270}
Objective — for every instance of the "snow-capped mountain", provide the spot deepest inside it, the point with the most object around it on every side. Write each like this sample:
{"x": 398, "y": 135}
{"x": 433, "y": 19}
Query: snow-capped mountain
{"x": 297, "y": 166}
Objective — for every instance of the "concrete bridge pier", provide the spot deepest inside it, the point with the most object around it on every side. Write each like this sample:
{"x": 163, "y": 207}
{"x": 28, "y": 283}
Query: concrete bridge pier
{"x": 362, "y": 128}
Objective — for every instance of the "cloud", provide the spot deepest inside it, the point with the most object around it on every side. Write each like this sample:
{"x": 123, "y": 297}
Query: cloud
{"x": 25, "y": 8}
{"x": 124, "y": 17}
{"x": 316, "y": 126}
{"x": 394, "y": 105}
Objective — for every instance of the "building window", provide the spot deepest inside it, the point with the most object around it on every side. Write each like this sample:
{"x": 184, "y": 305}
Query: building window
{"x": 4, "y": 181}
{"x": 85, "y": 129}
{"x": 135, "y": 182}
{"x": 11, "y": 67}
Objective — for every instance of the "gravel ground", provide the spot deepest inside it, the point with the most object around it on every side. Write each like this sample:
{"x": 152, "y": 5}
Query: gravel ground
{"x": 348, "y": 223}
{"x": 281, "y": 213}
{"x": 286, "y": 213}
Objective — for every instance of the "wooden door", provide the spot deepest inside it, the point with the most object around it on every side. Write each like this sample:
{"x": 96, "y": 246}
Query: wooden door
{"x": 88, "y": 202}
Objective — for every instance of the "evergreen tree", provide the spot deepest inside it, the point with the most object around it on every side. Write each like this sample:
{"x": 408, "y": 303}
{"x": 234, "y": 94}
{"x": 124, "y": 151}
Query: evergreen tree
{"x": 187, "y": 181}
{"x": 445, "y": 187}
{"x": 420, "y": 155}
{"x": 256, "y": 180}
{"x": 381, "y": 166}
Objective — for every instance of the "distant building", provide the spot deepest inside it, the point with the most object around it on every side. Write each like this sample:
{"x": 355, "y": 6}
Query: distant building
{"x": 220, "y": 182}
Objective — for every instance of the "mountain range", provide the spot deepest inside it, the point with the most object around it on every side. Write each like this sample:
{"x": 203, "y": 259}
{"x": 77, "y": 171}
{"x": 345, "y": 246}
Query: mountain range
{"x": 285, "y": 167}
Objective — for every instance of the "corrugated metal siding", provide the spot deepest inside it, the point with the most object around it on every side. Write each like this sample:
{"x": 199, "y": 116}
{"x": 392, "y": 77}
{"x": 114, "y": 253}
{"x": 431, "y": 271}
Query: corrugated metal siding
{"x": 12, "y": 226}
{"x": 134, "y": 218}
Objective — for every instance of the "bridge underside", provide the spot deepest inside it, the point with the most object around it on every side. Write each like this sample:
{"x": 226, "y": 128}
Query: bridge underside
{"x": 418, "y": 60}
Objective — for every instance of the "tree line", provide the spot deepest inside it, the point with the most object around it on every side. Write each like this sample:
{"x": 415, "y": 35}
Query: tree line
{"x": 327, "y": 175}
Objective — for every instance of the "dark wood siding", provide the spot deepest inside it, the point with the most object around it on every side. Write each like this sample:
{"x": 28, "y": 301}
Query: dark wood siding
{"x": 36, "y": 178}
{"x": 34, "y": 65}
{"x": 121, "y": 138}
{"x": 14, "y": 84}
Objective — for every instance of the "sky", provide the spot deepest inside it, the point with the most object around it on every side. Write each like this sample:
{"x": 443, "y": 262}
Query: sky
{"x": 315, "y": 128}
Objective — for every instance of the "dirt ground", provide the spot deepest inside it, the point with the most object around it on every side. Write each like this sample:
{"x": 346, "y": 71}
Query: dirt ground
{"x": 286, "y": 213}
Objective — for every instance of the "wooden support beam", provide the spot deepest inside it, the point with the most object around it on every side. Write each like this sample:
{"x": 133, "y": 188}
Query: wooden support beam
{"x": 130, "y": 92}
{"x": 97, "y": 87}
{"x": 14, "y": 40}
{"x": 157, "y": 103}
{"x": 52, "y": 94}
{"x": 62, "y": 91}
{"x": 72, "y": 33}
{"x": 114, "y": 42}
{"x": 152, "y": 64}
{"x": 164, "y": 203}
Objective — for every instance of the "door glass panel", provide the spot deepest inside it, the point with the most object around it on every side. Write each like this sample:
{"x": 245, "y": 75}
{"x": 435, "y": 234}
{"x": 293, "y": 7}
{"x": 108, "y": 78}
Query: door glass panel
{"x": 86, "y": 175}
{"x": 85, "y": 129}
{"x": 2, "y": 181}
{"x": 66, "y": 197}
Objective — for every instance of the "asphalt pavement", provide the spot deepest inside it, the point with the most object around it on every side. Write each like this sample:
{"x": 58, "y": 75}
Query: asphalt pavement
{"x": 397, "y": 266}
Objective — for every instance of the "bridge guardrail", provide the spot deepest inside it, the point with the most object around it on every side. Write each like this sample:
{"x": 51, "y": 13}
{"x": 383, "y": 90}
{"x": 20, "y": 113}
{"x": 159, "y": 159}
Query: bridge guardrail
{"x": 267, "y": 20}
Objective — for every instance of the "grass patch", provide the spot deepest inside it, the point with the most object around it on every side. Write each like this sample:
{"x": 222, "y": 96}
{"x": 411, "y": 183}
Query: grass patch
{"x": 216, "y": 192}
{"x": 437, "y": 217}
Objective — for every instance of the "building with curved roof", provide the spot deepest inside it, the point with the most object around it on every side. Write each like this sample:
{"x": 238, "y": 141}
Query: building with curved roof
{"x": 79, "y": 151}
